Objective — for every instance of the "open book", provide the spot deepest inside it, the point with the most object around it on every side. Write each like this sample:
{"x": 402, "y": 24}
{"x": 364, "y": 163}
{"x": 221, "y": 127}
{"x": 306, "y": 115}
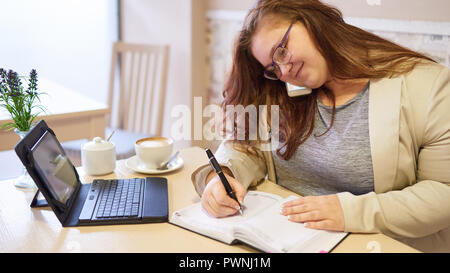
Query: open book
{"x": 261, "y": 226}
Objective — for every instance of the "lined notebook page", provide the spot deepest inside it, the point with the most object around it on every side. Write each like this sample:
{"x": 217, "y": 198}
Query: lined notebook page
{"x": 195, "y": 218}
{"x": 278, "y": 234}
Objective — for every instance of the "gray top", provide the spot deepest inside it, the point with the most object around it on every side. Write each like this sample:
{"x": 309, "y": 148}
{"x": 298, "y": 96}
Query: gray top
{"x": 338, "y": 161}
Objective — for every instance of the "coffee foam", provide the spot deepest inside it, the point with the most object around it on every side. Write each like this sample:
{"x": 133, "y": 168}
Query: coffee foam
{"x": 153, "y": 143}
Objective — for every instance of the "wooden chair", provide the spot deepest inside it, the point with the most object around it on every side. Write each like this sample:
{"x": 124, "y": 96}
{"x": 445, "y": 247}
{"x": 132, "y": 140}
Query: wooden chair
{"x": 136, "y": 97}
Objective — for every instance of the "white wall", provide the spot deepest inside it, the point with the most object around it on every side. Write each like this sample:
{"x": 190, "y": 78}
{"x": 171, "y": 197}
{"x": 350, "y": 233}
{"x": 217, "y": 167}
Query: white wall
{"x": 424, "y": 10}
{"x": 168, "y": 23}
{"x": 181, "y": 25}
{"x": 68, "y": 41}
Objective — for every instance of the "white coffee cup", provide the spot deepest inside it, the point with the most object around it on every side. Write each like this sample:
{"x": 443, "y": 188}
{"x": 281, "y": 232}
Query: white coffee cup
{"x": 153, "y": 151}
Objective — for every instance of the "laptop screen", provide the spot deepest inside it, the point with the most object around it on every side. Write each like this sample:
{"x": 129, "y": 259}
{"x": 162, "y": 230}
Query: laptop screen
{"x": 54, "y": 168}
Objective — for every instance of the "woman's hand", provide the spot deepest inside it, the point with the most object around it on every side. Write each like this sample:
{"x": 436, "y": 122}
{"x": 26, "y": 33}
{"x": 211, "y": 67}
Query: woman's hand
{"x": 317, "y": 212}
{"x": 215, "y": 199}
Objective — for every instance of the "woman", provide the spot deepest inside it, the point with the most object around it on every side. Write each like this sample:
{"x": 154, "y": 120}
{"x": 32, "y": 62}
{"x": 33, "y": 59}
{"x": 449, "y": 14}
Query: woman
{"x": 368, "y": 149}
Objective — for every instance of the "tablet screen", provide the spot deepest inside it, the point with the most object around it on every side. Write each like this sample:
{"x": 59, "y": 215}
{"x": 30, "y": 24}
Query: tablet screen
{"x": 55, "y": 169}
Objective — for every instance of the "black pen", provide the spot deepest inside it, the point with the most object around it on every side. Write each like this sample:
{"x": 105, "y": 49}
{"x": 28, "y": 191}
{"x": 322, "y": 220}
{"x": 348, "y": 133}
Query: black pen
{"x": 218, "y": 169}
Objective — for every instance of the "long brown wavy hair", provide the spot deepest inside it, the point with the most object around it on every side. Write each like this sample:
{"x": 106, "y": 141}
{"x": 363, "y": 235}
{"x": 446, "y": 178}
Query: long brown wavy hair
{"x": 350, "y": 53}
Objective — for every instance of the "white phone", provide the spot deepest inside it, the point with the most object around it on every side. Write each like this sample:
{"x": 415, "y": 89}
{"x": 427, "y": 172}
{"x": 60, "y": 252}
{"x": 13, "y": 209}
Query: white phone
{"x": 294, "y": 91}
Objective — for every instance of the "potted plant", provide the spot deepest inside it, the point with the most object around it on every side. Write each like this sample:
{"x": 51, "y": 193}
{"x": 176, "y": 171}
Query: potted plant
{"x": 23, "y": 104}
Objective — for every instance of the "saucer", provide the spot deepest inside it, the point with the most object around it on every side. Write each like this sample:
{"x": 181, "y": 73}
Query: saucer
{"x": 135, "y": 164}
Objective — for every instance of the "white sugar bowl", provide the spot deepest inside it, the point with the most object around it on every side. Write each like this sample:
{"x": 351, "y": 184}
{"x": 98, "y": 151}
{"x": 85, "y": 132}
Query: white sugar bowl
{"x": 98, "y": 156}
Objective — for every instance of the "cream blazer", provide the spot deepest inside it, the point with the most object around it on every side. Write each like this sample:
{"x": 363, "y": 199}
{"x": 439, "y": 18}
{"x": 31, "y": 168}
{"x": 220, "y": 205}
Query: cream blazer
{"x": 409, "y": 128}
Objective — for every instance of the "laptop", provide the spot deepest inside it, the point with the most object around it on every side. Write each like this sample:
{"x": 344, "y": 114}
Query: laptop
{"x": 102, "y": 202}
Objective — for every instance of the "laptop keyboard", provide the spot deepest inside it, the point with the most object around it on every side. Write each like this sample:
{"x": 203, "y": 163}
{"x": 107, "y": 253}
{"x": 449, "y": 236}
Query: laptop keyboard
{"x": 120, "y": 198}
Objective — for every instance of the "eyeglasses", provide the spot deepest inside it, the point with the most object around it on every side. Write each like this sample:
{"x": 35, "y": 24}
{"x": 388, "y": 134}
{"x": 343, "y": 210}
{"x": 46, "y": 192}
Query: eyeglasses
{"x": 280, "y": 56}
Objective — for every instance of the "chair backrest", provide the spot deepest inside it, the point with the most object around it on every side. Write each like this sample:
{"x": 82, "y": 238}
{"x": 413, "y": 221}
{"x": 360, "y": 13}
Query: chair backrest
{"x": 137, "y": 87}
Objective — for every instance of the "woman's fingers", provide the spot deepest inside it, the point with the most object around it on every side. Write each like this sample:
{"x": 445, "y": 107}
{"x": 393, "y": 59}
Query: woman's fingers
{"x": 222, "y": 198}
{"x": 216, "y": 209}
{"x": 296, "y": 209}
{"x": 300, "y": 201}
{"x": 240, "y": 191}
{"x": 305, "y": 216}
{"x": 216, "y": 201}
{"x": 317, "y": 212}
{"x": 323, "y": 224}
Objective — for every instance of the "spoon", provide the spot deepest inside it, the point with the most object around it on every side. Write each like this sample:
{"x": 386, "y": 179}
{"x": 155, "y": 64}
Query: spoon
{"x": 164, "y": 165}
{"x": 112, "y": 133}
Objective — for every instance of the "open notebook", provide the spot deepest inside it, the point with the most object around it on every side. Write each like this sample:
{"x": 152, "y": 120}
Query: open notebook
{"x": 261, "y": 226}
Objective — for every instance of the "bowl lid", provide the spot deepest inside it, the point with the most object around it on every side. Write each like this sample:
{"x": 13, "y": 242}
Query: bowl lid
{"x": 98, "y": 144}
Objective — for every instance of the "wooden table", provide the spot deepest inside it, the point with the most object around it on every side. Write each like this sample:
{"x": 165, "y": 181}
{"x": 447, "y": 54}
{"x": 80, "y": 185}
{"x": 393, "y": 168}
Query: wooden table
{"x": 23, "y": 229}
{"x": 70, "y": 114}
